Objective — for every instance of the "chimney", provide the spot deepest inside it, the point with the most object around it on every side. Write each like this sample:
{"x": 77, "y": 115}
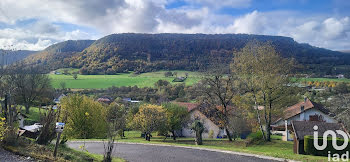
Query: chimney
{"x": 302, "y": 114}
{"x": 305, "y": 99}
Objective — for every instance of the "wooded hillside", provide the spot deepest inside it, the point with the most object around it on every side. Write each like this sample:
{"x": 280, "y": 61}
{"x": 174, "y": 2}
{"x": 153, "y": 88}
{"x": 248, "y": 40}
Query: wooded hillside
{"x": 150, "y": 52}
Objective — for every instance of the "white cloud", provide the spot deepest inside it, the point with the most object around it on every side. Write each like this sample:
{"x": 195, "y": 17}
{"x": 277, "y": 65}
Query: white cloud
{"x": 15, "y": 44}
{"x": 151, "y": 16}
{"x": 219, "y": 4}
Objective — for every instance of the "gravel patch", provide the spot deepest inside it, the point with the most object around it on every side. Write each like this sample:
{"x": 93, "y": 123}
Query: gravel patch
{"x": 6, "y": 156}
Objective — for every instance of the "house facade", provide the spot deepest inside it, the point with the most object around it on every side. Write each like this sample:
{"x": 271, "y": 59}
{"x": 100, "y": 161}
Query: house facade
{"x": 303, "y": 111}
{"x": 212, "y": 128}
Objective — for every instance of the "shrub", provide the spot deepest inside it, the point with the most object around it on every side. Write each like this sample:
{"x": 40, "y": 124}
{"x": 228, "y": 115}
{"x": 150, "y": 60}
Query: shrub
{"x": 255, "y": 138}
{"x": 211, "y": 134}
{"x": 2, "y": 128}
{"x": 84, "y": 117}
{"x": 310, "y": 149}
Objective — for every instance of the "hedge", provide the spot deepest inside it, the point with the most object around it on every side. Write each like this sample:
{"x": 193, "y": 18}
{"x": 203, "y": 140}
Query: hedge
{"x": 310, "y": 149}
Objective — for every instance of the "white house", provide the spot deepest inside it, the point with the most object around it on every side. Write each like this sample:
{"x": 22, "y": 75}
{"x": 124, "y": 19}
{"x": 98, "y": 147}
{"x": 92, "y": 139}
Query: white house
{"x": 303, "y": 111}
{"x": 209, "y": 125}
{"x": 58, "y": 99}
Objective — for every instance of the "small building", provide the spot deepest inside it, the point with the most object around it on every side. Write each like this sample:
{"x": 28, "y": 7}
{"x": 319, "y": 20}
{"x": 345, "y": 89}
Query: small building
{"x": 130, "y": 100}
{"x": 301, "y": 129}
{"x": 340, "y": 76}
{"x": 58, "y": 99}
{"x": 104, "y": 99}
{"x": 303, "y": 111}
{"x": 211, "y": 126}
{"x": 179, "y": 79}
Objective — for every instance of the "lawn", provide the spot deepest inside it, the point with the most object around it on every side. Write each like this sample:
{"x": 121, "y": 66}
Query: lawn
{"x": 123, "y": 79}
{"x": 34, "y": 115}
{"x": 276, "y": 148}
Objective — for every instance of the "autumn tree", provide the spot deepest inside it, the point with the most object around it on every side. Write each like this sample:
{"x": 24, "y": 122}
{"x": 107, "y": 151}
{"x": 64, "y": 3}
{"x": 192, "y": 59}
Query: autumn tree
{"x": 265, "y": 74}
{"x": 84, "y": 117}
{"x": 150, "y": 118}
{"x": 176, "y": 116}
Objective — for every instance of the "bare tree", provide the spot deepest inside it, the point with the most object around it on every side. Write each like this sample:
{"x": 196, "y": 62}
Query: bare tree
{"x": 219, "y": 90}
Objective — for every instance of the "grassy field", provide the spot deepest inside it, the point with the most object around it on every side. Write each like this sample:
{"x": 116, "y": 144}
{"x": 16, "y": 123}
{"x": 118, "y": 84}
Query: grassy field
{"x": 324, "y": 79}
{"x": 276, "y": 148}
{"x": 123, "y": 79}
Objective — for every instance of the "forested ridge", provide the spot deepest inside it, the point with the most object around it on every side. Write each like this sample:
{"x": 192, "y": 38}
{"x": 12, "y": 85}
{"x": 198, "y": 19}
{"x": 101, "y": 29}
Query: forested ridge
{"x": 10, "y": 56}
{"x": 150, "y": 52}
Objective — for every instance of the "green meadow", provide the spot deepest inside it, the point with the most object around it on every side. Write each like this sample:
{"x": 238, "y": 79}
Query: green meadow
{"x": 122, "y": 79}
{"x": 323, "y": 80}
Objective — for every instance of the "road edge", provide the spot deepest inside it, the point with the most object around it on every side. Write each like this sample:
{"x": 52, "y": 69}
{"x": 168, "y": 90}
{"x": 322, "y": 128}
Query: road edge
{"x": 199, "y": 148}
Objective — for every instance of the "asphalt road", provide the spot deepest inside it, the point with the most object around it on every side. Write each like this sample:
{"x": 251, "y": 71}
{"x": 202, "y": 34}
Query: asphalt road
{"x": 151, "y": 153}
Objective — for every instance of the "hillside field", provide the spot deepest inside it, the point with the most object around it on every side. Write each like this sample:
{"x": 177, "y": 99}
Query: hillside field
{"x": 123, "y": 79}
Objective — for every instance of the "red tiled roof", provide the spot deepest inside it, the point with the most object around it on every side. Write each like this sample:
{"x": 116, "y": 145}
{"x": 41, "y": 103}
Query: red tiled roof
{"x": 296, "y": 109}
{"x": 103, "y": 100}
{"x": 189, "y": 106}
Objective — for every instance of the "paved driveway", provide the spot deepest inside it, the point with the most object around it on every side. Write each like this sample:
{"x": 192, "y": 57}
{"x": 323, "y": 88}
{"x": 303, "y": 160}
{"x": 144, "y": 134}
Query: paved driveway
{"x": 153, "y": 153}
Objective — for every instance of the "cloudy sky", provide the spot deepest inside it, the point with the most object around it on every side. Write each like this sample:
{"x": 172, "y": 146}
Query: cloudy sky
{"x": 36, "y": 24}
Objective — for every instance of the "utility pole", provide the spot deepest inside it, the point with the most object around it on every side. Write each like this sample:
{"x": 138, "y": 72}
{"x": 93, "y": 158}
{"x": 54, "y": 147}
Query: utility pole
{"x": 57, "y": 142}
{"x": 59, "y": 130}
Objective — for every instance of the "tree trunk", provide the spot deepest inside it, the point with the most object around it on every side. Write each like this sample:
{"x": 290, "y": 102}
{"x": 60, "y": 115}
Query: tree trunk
{"x": 5, "y": 109}
{"x": 268, "y": 122}
{"x": 198, "y": 138}
{"x": 27, "y": 108}
{"x": 228, "y": 134}
{"x": 148, "y": 136}
{"x": 174, "y": 136}
{"x": 258, "y": 116}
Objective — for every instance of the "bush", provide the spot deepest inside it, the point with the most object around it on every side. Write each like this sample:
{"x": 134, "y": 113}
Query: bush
{"x": 211, "y": 134}
{"x": 255, "y": 138}
{"x": 2, "y": 128}
{"x": 84, "y": 117}
{"x": 310, "y": 149}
